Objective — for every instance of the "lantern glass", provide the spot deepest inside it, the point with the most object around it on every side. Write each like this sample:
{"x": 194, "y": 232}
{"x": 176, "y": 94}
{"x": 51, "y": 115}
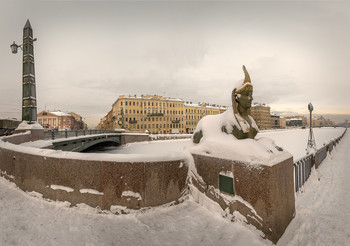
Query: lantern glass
{"x": 14, "y": 48}
{"x": 310, "y": 107}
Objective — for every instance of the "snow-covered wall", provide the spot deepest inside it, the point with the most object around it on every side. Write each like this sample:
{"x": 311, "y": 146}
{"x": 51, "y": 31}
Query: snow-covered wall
{"x": 99, "y": 183}
{"x": 263, "y": 194}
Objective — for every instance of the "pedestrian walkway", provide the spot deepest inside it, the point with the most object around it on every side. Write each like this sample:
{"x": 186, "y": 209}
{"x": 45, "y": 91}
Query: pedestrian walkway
{"x": 323, "y": 206}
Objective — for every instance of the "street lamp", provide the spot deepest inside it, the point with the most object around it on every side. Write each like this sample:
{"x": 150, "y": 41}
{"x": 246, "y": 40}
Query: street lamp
{"x": 14, "y": 47}
{"x": 311, "y": 144}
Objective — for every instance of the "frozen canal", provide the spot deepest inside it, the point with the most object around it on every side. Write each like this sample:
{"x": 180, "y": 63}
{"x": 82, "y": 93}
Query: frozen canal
{"x": 294, "y": 140}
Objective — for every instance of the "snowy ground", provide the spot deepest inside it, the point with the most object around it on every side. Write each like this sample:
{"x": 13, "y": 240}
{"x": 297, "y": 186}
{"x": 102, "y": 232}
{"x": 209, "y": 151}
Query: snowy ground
{"x": 322, "y": 213}
{"x": 293, "y": 140}
{"x": 27, "y": 220}
{"x": 323, "y": 207}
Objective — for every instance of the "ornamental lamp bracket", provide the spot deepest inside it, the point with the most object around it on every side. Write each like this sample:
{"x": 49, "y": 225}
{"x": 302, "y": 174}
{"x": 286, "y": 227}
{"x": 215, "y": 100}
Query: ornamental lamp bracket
{"x": 14, "y": 46}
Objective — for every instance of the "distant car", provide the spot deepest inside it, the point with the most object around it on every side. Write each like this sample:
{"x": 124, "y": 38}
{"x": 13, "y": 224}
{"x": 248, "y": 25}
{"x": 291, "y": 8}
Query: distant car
{"x": 7, "y": 131}
{"x": 303, "y": 127}
{"x": 10, "y": 131}
{"x": 3, "y": 131}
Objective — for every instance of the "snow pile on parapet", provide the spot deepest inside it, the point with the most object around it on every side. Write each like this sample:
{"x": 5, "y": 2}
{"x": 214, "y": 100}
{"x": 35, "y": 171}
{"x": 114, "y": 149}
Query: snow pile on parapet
{"x": 25, "y": 126}
{"x": 219, "y": 144}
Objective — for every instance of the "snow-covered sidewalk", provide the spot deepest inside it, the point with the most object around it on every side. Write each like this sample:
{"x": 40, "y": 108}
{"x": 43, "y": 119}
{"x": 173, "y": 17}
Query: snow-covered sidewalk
{"x": 323, "y": 208}
{"x": 27, "y": 220}
{"x": 322, "y": 215}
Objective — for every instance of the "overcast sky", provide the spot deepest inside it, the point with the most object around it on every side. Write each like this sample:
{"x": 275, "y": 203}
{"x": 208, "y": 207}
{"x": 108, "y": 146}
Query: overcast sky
{"x": 90, "y": 52}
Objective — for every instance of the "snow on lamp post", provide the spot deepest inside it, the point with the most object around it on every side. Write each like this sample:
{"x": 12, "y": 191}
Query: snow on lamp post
{"x": 29, "y": 102}
{"x": 311, "y": 144}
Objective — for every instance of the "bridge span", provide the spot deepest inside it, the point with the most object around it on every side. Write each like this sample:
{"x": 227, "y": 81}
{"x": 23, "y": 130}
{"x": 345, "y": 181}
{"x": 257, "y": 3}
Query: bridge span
{"x": 79, "y": 143}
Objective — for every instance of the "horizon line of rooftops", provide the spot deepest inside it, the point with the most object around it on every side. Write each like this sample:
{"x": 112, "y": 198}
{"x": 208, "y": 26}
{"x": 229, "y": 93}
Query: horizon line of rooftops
{"x": 174, "y": 99}
{"x": 186, "y": 103}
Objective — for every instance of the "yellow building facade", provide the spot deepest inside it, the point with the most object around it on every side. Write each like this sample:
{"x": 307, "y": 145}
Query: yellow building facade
{"x": 195, "y": 112}
{"x": 155, "y": 114}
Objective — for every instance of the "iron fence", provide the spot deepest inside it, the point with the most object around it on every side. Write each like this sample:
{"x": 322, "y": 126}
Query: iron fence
{"x": 52, "y": 134}
{"x": 320, "y": 155}
{"x": 302, "y": 167}
{"x": 302, "y": 171}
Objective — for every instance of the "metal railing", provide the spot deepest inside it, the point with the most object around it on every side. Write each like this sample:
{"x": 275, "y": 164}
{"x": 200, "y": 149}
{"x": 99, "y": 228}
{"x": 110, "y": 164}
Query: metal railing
{"x": 302, "y": 171}
{"x": 52, "y": 134}
{"x": 320, "y": 155}
{"x": 302, "y": 167}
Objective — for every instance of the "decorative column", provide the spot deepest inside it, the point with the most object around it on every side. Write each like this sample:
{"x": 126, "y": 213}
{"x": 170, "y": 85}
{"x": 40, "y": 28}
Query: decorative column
{"x": 29, "y": 108}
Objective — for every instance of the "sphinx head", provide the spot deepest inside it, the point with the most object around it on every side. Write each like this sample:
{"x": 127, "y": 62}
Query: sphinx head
{"x": 242, "y": 96}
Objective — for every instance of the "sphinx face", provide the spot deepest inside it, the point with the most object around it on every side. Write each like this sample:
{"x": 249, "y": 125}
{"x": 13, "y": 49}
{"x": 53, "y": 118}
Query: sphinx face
{"x": 244, "y": 99}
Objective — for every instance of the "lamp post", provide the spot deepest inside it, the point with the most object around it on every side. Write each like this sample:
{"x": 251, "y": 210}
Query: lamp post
{"x": 311, "y": 144}
{"x": 29, "y": 102}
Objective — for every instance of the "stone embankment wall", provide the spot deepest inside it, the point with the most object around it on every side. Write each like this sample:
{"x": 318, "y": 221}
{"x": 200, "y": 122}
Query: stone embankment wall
{"x": 264, "y": 195}
{"x": 132, "y": 138}
{"x": 116, "y": 186}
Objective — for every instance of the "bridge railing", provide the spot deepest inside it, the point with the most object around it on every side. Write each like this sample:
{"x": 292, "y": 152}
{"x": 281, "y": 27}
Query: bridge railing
{"x": 52, "y": 134}
{"x": 154, "y": 137}
{"x": 303, "y": 167}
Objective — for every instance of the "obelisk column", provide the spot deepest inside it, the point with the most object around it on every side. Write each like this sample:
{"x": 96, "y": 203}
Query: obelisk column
{"x": 29, "y": 110}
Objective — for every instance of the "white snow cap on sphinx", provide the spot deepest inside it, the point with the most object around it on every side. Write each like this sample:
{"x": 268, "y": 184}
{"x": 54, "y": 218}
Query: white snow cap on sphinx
{"x": 216, "y": 143}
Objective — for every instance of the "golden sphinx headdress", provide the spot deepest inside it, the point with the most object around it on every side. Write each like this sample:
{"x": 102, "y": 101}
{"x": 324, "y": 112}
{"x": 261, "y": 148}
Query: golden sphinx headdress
{"x": 247, "y": 84}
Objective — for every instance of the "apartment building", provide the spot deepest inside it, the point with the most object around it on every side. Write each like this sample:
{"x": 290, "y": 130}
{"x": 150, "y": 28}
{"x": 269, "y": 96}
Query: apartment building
{"x": 277, "y": 122}
{"x": 195, "y": 112}
{"x": 155, "y": 114}
{"x": 58, "y": 120}
{"x": 261, "y": 115}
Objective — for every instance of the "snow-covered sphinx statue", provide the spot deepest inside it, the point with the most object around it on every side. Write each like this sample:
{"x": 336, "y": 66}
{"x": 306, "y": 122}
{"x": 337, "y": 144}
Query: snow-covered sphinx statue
{"x": 236, "y": 120}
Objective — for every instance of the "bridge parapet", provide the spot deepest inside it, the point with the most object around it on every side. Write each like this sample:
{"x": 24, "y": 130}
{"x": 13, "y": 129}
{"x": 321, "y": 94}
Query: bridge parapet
{"x": 119, "y": 183}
